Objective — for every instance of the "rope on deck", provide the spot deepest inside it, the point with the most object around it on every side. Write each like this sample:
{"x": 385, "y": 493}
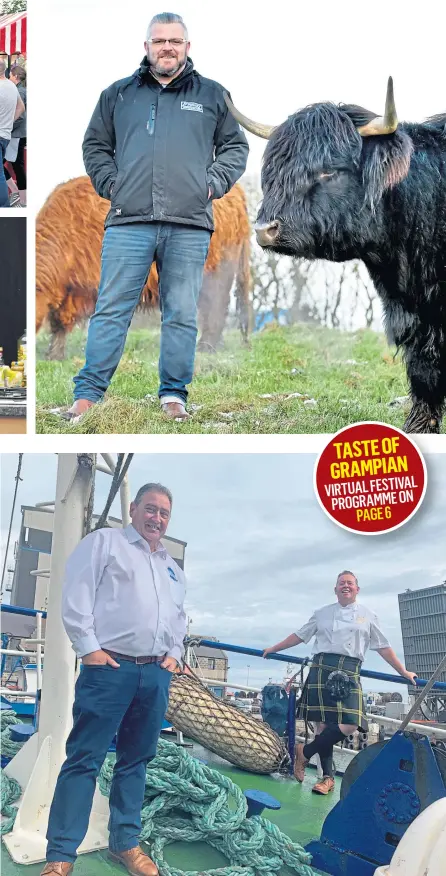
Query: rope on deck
{"x": 188, "y": 801}
{"x": 7, "y": 718}
{"x": 10, "y": 790}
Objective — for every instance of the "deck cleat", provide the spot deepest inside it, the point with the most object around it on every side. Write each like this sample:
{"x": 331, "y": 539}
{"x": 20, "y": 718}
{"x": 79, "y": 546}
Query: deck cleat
{"x": 258, "y": 801}
{"x": 21, "y": 732}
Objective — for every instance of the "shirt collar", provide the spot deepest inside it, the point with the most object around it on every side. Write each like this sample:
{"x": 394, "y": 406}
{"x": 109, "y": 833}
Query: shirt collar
{"x": 133, "y": 536}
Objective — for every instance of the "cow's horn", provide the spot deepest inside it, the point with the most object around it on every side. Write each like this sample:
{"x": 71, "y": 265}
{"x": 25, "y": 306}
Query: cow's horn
{"x": 264, "y": 131}
{"x": 386, "y": 124}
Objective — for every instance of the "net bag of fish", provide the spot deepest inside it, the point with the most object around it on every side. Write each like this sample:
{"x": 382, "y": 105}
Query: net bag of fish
{"x": 244, "y": 741}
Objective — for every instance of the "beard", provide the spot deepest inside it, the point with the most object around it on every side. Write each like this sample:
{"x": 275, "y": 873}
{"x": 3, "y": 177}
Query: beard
{"x": 159, "y": 70}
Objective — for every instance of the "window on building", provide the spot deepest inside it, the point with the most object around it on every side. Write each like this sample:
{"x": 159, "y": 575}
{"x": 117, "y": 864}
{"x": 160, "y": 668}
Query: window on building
{"x": 211, "y": 662}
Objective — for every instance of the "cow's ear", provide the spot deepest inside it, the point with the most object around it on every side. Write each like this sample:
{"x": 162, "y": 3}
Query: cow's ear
{"x": 385, "y": 163}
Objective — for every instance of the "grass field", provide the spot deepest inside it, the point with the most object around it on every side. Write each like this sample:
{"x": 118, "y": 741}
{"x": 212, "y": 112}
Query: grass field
{"x": 298, "y": 379}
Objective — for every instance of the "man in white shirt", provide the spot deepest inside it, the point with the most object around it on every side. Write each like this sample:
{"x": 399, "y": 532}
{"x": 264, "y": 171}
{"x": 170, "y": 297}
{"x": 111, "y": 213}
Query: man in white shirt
{"x": 332, "y": 695}
{"x": 122, "y": 607}
{"x": 11, "y": 107}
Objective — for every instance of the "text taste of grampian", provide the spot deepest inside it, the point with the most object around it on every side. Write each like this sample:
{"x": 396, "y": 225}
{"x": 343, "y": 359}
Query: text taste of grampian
{"x": 370, "y": 457}
{"x": 366, "y": 447}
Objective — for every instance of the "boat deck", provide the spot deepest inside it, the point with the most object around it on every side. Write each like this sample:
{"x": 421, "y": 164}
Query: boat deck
{"x": 301, "y": 817}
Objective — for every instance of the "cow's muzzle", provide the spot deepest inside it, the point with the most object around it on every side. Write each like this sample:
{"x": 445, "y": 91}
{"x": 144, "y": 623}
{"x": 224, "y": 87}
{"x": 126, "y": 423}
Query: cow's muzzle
{"x": 267, "y": 234}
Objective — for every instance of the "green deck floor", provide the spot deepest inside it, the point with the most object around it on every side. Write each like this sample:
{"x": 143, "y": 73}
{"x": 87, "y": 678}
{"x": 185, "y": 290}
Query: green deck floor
{"x": 301, "y": 817}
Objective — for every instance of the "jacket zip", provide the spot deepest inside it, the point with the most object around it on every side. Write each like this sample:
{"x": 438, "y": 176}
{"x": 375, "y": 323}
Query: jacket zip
{"x": 151, "y": 122}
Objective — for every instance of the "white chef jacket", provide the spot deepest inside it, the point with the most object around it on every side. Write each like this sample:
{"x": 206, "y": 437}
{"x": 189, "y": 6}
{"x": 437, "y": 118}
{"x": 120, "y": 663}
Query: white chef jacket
{"x": 120, "y": 595}
{"x": 338, "y": 630}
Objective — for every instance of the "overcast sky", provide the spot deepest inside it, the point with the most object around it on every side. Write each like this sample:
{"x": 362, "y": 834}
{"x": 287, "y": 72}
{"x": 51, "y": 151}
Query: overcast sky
{"x": 274, "y": 60}
{"x": 261, "y": 554}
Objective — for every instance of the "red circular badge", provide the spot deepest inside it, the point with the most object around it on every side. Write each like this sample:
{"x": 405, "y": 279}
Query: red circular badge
{"x": 370, "y": 478}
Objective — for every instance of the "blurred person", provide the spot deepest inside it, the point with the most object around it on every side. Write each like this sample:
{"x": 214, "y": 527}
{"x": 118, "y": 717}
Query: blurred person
{"x": 11, "y": 107}
{"x": 18, "y": 188}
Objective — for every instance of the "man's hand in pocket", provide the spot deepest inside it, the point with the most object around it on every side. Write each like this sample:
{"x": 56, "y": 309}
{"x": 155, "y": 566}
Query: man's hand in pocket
{"x": 99, "y": 658}
{"x": 169, "y": 663}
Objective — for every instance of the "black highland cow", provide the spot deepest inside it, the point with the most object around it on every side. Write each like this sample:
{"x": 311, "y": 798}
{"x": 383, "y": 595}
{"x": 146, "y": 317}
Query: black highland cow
{"x": 339, "y": 183}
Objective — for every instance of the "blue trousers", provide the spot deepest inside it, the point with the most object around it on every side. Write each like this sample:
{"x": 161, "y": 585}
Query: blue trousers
{"x": 130, "y": 701}
{"x": 4, "y": 194}
{"x": 128, "y": 251}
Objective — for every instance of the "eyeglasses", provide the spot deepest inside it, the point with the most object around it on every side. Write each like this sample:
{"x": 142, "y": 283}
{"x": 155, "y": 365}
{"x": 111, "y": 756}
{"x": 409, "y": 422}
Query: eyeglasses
{"x": 153, "y": 509}
{"x": 174, "y": 42}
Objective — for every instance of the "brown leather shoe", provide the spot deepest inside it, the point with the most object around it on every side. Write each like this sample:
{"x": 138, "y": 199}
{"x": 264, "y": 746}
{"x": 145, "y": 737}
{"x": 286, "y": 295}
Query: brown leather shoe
{"x": 324, "y": 786}
{"x": 135, "y": 862}
{"x": 175, "y": 411}
{"x": 61, "y": 868}
{"x": 300, "y": 762}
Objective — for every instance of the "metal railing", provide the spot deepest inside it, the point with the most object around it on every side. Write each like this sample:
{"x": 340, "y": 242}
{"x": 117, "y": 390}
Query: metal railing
{"x": 290, "y": 658}
{"x": 423, "y": 729}
{"x": 17, "y": 609}
{"x": 38, "y": 641}
{"x": 19, "y": 694}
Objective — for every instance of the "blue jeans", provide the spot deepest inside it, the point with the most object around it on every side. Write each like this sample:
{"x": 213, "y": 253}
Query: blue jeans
{"x": 4, "y": 194}
{"x": 127, "y": 254}
{"x": 134, "y": 699}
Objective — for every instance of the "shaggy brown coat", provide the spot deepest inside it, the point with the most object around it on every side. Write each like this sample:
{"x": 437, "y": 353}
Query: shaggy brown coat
{"x": 69, "y": 232}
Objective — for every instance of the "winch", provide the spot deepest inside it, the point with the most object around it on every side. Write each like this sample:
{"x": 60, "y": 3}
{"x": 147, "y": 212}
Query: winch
{"x": 384, "y": 789}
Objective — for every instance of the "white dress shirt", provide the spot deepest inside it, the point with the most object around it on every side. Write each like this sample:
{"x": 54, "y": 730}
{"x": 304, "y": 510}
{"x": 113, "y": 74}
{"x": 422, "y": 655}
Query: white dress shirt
{"x": 119, "y": 595}
{"x": 348, "y": 630}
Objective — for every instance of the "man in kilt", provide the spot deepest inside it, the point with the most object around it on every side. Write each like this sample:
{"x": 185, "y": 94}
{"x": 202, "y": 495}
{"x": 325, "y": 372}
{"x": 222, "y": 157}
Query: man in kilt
{"x": 332, "y": 697}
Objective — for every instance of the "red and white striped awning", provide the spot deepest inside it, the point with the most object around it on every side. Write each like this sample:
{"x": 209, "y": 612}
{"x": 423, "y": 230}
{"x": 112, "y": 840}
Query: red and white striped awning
{"x": 13, "y": 34}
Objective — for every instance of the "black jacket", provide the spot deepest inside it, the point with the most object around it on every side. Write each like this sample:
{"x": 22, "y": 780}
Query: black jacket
{"x": 162, "y": 148}
{"x": 19, "y": 126}
{"x": 13, "y": 285}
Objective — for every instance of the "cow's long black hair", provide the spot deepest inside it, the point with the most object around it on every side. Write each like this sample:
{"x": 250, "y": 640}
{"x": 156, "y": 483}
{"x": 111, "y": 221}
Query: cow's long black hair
{"x": 334, "y": 194}
{"x": 324, "y": 137}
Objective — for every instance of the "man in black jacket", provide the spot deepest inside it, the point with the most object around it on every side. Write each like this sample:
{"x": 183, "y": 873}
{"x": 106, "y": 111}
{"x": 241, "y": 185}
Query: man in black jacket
{"x": 160, "y": 146}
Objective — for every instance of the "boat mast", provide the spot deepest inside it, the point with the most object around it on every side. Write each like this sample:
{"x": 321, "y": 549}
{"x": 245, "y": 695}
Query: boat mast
{"x": 17, "y": 479}
{"x": 36, "y": 766}
{"x": 73, "y": 488}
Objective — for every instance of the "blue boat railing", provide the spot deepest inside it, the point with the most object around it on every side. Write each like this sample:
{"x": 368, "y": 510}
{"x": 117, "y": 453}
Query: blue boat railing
{"x": 257, "y": 652}
{"x": 7, "y": 697}
{"x": 290, "y": 658}
{"x": 17, "y": 609}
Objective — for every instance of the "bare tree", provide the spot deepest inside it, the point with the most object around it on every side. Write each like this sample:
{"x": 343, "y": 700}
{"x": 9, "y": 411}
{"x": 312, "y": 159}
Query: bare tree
{"x": 10, "y": 7}
{"x": 335, "y": 295}
{"x": 277, "y": 281}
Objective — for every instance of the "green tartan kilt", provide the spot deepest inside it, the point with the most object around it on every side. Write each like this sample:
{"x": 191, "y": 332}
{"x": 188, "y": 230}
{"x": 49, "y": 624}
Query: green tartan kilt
{"x": 316, "y": 703}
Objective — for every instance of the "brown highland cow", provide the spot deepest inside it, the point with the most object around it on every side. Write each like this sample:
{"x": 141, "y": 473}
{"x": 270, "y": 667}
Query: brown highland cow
{"x": 69, "y": 231}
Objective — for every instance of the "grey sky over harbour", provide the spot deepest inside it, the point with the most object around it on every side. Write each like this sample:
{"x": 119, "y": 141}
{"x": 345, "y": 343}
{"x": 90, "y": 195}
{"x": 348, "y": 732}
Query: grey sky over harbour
{"x": 261, "y": 554}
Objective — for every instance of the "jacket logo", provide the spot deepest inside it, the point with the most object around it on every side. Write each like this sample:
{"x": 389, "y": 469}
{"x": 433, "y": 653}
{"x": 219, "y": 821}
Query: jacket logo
{"x": 172, "y": 573}
{"x": 118, "y": 211}
{"x": 190, "y": 105}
